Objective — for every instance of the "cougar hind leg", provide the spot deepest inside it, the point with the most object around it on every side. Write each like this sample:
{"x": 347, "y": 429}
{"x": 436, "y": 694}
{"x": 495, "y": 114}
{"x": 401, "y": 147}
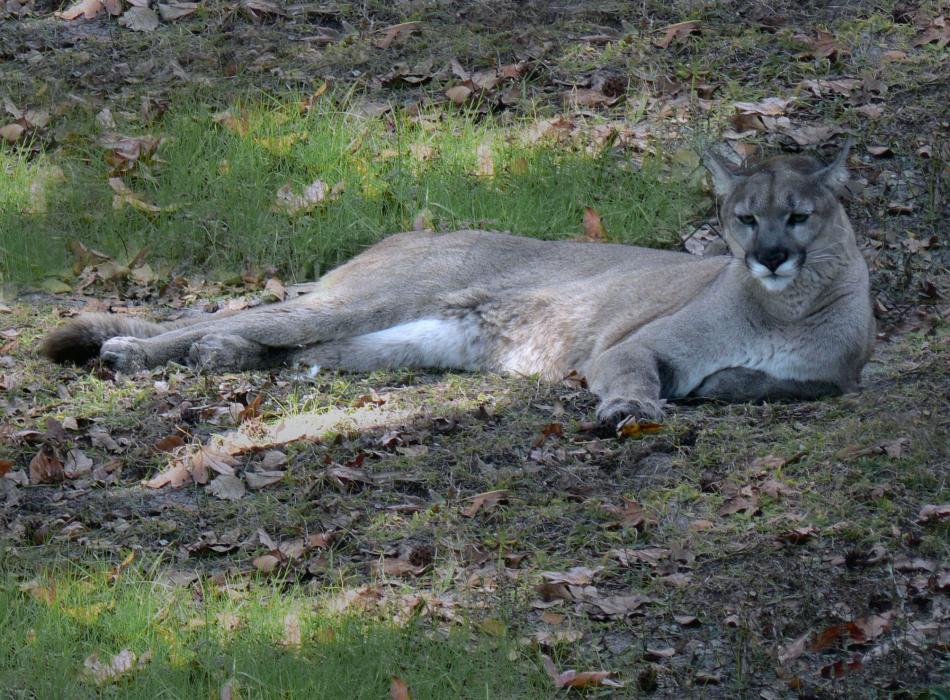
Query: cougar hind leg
{"x": 456, "y": 343}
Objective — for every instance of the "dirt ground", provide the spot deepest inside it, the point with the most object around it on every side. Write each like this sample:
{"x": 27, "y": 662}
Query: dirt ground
{"x": 769, "y": 551}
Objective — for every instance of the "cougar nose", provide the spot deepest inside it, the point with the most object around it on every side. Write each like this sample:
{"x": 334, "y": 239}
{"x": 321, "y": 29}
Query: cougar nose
{"x": 772, "y": 257}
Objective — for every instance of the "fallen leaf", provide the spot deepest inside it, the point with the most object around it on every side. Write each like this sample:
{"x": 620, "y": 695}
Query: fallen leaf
{"x": 262, "y": 479}
{"x": 459, "y": 94}
{"x": 822, "y": 45}
{"x": 119, "y": 665}
{"x": 398, "y": 689}
{"x": 680, "y": 30}
{"x": 575, "y": 576}
{"x": 573, "y": 679}
{"x": 620, "y": 606}
{"x": 11, "y": 133}
{"x": 658, "y": 654}
{"x": 266, "y": 563}
{"x": 176, "y": 10}
{"x": 792, "y": 651}
{"x": 880, "y": 151}
{"x": 487, "y": 500}
{"x": 293, "y": 636}
{"x": 799, "y": 534}
{"x": 632, "y": 514}
{"x": 770, "y": 106}
{"x": 139, "y": 19}
{"x": 631, "y": 428}
{"x": 227, "y": 488}
{"x": 87, "y": 8}
{"x": 936, "y": 32}
{"x": 124, "y": 195}
{"x": 870, "y": 111}
{"x": 235, "y": 122}
{"x": 46, "y": 468}
{"x": 397, "y": 567}
{"x": 549, "y": 430}
{"x": 594, "y": 229}
{"x": 839, "y": 668}
{"x": 390, "y": 33}
{"x": 930, "y": 514}
{"x": 686, "y": 620}
{"x": 586, "y": 97}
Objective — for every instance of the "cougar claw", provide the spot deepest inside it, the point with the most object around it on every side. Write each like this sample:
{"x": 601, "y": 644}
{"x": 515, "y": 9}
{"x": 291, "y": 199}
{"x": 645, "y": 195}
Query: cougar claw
{"x": 614, "y": 413}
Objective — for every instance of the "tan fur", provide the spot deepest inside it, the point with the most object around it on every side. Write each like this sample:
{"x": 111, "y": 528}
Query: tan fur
{"x": 641, "y": 325}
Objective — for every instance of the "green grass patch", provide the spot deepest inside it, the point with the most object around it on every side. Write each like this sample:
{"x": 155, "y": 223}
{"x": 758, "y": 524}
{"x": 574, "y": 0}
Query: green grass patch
{"x": 216, "y": 185}
{"x": 190, "y": 641}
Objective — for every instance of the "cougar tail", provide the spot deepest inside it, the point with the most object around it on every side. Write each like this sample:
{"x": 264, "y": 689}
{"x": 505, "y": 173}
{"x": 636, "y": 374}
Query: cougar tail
{"x": 81, "y": 339}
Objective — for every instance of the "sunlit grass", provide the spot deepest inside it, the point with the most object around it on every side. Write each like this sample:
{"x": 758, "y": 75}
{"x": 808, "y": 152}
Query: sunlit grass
{"x": 217, "y": 188}
{"x": 189, "y": 641}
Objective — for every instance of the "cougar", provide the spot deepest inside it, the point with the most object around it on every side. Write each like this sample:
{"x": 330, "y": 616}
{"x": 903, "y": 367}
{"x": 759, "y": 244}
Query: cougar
{"x": 787, "y": 316}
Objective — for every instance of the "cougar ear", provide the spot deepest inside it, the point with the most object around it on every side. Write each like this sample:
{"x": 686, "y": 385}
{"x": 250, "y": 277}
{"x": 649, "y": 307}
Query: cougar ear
{"x": 835, "y": 176}
{"x": 723, "y": 178}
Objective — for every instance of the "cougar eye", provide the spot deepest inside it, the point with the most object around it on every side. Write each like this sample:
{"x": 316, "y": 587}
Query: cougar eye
{"x": 795, "y": 219}
{"x": 747, "y": 219}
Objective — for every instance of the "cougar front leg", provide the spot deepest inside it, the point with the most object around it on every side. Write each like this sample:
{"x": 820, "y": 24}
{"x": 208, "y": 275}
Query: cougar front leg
{"x": 627, "y": 380}
{"x": 739, "y": 384}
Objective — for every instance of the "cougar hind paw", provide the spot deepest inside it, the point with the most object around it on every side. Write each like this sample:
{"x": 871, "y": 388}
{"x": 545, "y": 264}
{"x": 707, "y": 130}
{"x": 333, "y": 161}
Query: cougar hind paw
{"x": 124, "y": 354}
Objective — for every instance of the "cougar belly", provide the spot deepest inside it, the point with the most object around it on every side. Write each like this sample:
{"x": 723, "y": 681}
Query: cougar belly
{"x": 457, "y": 343}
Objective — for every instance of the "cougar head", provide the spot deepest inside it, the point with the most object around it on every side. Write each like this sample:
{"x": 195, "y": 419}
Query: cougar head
{"x": 778, "y": 212}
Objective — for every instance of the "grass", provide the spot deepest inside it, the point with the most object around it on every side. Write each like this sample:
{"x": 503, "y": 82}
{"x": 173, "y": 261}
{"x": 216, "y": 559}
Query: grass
{"x": 216, "y": 183}
{"x": 197, "y": 638}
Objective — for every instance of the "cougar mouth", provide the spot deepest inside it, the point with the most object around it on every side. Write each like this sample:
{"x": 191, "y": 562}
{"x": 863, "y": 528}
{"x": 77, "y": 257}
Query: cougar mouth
{"x": 778, "y": 278}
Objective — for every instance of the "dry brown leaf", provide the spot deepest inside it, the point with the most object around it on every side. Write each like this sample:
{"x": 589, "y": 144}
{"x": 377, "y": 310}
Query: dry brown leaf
{"x": 619, "y": 606}
{"x": 168, "y": 443}
{"x": 176, "y": 10}
{"x": 769, "y": 107}
{"x": 459, "y": 94}
{"x": 227, "y": 488}
{"x": 266, "y": 563}
{"x": 263, "y": 479}
{"x": 651, "y": 556}
{"x": 87, "y": 8}
{"x": 631, "y": 514}
{"x": 793, "y": 650}
{"x": 176, "y": 474}
{"x": 631, "y": 428}
{"x": 931, "y": 514}
{"x": 937, "y": 32}
{"x": 235, "y": 122}
{"x": 124, "y": 195}
{"x": 575, "y": 576}
{"x": 549, "y": 430}
{"x": 799, "y": 535}
{"x": 586, "y": 97}
{"x": 680, "y": 30}
{"x": 396, "y": 567}
{"x": 487, "y": 500}
{"x": 293, "y": 635}
{"x": 390, "y": 33}
{"x": 119, "y": 665}
{"x": 594, "y": 229}
{"x": 139, "y": 19}
{"x": 39, "y": 591}
{"x": 822, "y": 45}
{"x": 573, "y": 679}
{"x": 658, "y": 654}
{"x": 398, "y": 689}
{"x": 46, "y": 468}
{"x": 11, "y": 133}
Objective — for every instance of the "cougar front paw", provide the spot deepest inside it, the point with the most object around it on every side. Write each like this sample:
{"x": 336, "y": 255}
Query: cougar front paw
{"x": 124, "y": 354}
{"x": 612, "y": 413}
{"x": 219, "y": 351}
